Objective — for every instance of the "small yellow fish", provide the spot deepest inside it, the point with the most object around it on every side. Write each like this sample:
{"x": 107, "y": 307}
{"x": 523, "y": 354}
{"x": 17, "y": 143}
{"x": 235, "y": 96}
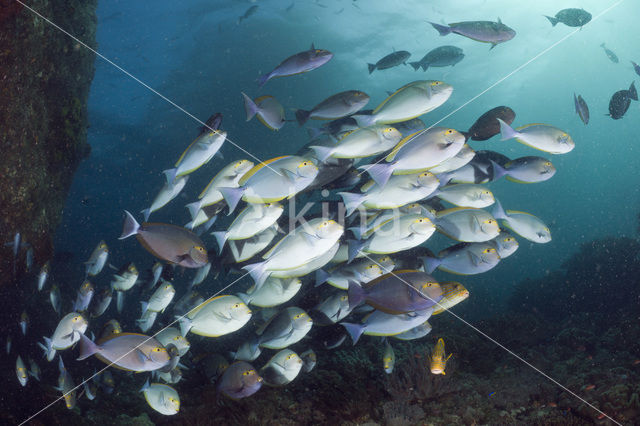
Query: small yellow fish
{"x": 438, "y": 361}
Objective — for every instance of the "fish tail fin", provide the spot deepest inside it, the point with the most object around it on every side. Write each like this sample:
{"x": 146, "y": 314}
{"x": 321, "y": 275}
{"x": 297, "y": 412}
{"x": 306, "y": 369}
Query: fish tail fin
{"x": 244, "y": 297}
{"x": 354, "y": 248}
{"x": 170, "y": 175}
{"x": 145, "y": 386}
{"x": 144, "y": 306}
{"x": 506, "y": 132}
{"x": 87, "y": 347}
{"x": 250, "y": 107}
{"x": 146, "y": 213}
{"x": 498, "y": 170}
{"x": 371, "y": 67}
{"x": 632, "y": 91}
{"x": 47, "y": 347}
{"x": 357, "y": 231}
{"x": 258, "y": 272}
{"x": 194, "y": 208}
{"x": 356, "y": 294}
{"x": 321, "y": 152}
{"x": 442, "y": 29}
{"x": 351, "y": 201}
{"x": 443, "y": 178}
{"x": 380, "y": 172}
{"x": 314, "y": 132}
{"x": 553, "y": 20}
{"x": 354, "y": 330}
{"x": 364, "y": 120}
{"x": 321, "y": 277}
{"x": 185, "y": 325}
{"x": 602, "y": 44}
{"x": 466, "y": 135}
{"x": 263, "y": 79}
{"x": 130, "y": 226}
{"x": 302, "y": 116}
{"x": 415, "y": 65}
{"x": 232, "y": 197}
{"x": 221, "y": 239}
{"x": 425, "y": 67}
{"x": 430, "y": 263}
{"x": 119, "y": 301}
{"x": 498, "y": 212}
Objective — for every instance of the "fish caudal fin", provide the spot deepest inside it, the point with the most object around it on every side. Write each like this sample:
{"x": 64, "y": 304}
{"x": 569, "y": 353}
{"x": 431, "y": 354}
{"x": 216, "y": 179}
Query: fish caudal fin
{"x": 415, "y": 65}
{"x": 258, "y": 272}
{"x": 119, "y": 301}
{"x": 144, "y": 306}
{"x": 87, "y": 347}
{"x": 498, "y": 212}
{"x": 351, "y": 201}
{"x": 354, "y": 330}
{"x": 263, "y": 79}
{"x": 442, "y": 29}
{"x": 430, "y": 263}
{"x": 380, "y": 172}
{"x": 221, "y": 238}
{"x": 364, "y": 120}
{"x": 372, "y": 67}
{"x": 130, "y": 226}
{"x": 506, "y": 132}
{"x": 498, "y": 170}
{"x": 146, "y": 213}
{"x": 185, "y": 325}
{"x": 553, "y": 20}
{"x": 145, "y": 386}
{"x": 232, "y": 196}
{"x": 321, "y": 152}
{"x": 302, "y": 116}
{"x": 194, "y": 208}
{"x": 321, "y": 277}
{"x": 354, "y": 248}
{"x": 170, "y": 175}
{"x": 632, "y": 92}
{"x": 356, "y": 294}
{"x": 250, "y": 107}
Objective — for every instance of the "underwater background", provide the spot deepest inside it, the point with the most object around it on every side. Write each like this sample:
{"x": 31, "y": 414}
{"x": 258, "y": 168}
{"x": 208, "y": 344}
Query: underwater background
{"x": 571, "y": 307}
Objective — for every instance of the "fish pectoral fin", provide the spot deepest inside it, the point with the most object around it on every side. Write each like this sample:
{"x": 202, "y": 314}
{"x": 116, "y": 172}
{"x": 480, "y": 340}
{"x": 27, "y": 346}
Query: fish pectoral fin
{"x": 222, "y": 317}
{"x": 142, "y": 356}
{"x": 475, "y": 259}
{"x": 291, "y": 176}
{"x": 310, "y": 238}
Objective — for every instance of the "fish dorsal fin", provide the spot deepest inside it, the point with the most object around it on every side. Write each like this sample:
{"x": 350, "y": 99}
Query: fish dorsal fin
{"x": 530, "y": 125}
{"x": 257, "y": 167}
{"x": 313, "y": 47}
{"x": 446, "y": 212}
{"x": 194, "y": 312}
{"x": 260, "y": 99}
{"x": 400, "y": 144}
{"x": 510, "y": 212}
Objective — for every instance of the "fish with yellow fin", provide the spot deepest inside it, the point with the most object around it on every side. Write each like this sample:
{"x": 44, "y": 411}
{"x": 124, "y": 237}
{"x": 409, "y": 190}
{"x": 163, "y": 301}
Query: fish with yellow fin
{"x": 438, "y": 360}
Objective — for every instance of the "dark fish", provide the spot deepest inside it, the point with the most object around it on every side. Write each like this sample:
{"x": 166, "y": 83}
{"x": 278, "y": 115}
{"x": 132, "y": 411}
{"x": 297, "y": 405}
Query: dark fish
{"x": 298, "y": 63}
{"x": 612, "y": 56}
{"x": 253, "y": 9}
{"x": 636, "y": 67}
{"x": 213, "y": 123}
{"x": 239, "y": 380}
{"x": 398, "y": 292}
{"x": 620, "y": 101}
{"x": 483, "y": 31}
{"x": 570, "y": 17}
{"x": 581, "y": 108}
{"x": 442, "y": 56}
{"x": 390, "y": 61}
{"x": 167, "y": 242}
{"x": 478, "y": 170}
{"x": 487, "y": 126}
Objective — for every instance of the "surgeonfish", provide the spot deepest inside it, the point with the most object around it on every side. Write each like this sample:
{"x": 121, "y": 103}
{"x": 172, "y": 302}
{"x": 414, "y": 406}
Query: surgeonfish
{"x": 524, "y": 224}
{"x": 97, "y": 260}
{"x": 167, "y": 242}
{"x": 287, "y": 327}
{"x": 66, "y": 334}
{"x": 218, "y": 316}
{"x": 269, "y": 111}
{"x": 360, "y": 271}
{"x": 483, "y": 31}
{"x": 309, "y": 360}
{"x": 299, "y": 63}
{"x": 156, "y": 273}
{"x": 54, "y": 298}
{"x": 333, "y": 308}
{"x": 247, "y": 351}
{"x": 66, "y": 385}
{"x": 123, "y": 281}
{"x": 162, "y": 398}
{"x": 311, "y": 266}
{"x": 239, "y": 380}
{"x": 34, "y": 369}
{"x": 571, "y": 17}
{"x": 398, "y": 292}
{"x": 452, "y": 293}
{"x": 336, "y": 106}
{"x": 247, "y": 13}
{"x": 282, "y": 368}
{"x": 363, "y": 142}
{"x": 389, "y": 61}
{"x": 227, "y": 177}
{"x": 466, "y": 195}
{"x": 388, "y": 358}
{"x": 187, "y": 302}
{"x": 198, "y": 153}
{"x": 21, "y": 371}
{"x": 146, "y": 321}
{"x": 24, "y": 322}
{"x": 83, "y": 297}
{"x": 160, "y": 299}
{"x": 201, "y": 274}
{"x": 461, "y": 159}
{"x": 379, "y": 323}
{"x": 254, "y": 219}
{"x": 101, "y": 302}
{"x": 539, "y": 136}
{"x": 438, "y": 360}
{"x": 127, "y": 351}
{"x": 243, "y": 250}
{"x": 110, "y": 328}
{"x": 272, "y": 180}
{"x": 442, "y": 56}
{"x": 168, "y": 192}
{"x": 417, "y": 332}
{"x": 43, "y": 275}
{"x": 416, "y": 153}
{"x": 487, "y": 125}
{"x": 274, "y": 292}
{"x": 467, "y": 224}
{"x": 612, "y": 56}
{"x": 528, "y": 169}
{"x": 505, "y": 244}
{"x": 171, "y": 335}
{"x": 620, "y": 101}
{"x": 582, "y": 109}
{"x": 410, "y": 101}
{"x": 464, "y": 259}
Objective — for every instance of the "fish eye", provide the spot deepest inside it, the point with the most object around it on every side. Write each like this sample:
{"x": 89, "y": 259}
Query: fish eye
{"x": 343, "y": 298}
{"x": 449, "y": 131}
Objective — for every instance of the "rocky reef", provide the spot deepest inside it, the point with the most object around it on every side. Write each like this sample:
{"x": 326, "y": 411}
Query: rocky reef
{"x": 45, "y": 84}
